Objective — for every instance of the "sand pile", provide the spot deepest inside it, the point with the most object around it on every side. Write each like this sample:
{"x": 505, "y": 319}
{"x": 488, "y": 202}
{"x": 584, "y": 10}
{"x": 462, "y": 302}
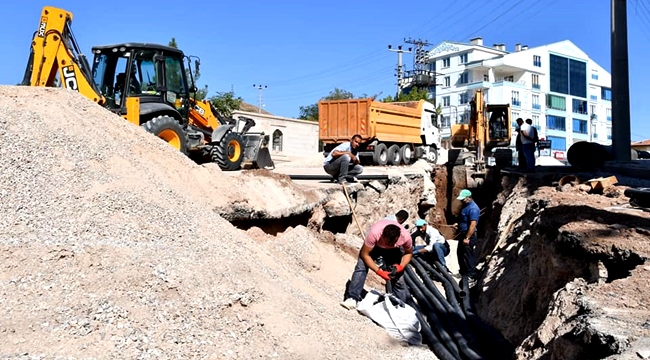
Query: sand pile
{"x": 111, "y": 247}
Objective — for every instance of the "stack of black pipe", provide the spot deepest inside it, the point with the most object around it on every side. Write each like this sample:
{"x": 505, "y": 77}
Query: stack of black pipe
{"x": 449, "y": 326}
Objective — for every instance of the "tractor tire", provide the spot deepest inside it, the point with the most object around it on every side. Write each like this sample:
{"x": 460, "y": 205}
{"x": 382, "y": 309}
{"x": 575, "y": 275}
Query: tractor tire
{"x": 229, "y": 153}
{"x": 394, "y": 155}
{"x": 380, "y": 157}
{"x": 168, "y": 129}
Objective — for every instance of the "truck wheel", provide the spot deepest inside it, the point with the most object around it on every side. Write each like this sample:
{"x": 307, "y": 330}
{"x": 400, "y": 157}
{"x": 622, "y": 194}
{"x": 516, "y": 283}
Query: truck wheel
{"x": 380, "y": 157}
{"x": 394, "y": 155}
{"x": 168, "y": 129}
{"x": 407, "y": 154}
{"x": 432, "y": 156}
{"x": 229, "y": 153}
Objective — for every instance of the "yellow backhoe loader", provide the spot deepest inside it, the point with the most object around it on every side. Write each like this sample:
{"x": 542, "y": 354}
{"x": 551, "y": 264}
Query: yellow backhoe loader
{"x": 147, "y": 84}
{"x": 488, "y": 134}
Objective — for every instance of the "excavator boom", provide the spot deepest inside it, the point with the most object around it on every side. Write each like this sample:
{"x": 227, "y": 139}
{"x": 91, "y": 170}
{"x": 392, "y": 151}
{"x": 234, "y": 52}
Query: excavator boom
{"x": 54, "y": 51}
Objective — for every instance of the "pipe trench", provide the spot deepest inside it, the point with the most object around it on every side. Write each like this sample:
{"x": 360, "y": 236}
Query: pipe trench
{"x": 449, "y": 326}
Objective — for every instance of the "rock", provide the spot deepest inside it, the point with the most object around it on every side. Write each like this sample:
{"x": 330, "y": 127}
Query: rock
{"x": 337, "y": 205}
{"x": 584, "y": 187}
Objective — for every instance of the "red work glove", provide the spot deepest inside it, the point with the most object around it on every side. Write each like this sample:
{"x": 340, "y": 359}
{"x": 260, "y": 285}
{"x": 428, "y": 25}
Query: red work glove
{"x": 398, "y": 268}
{"x": 383, "y": 274}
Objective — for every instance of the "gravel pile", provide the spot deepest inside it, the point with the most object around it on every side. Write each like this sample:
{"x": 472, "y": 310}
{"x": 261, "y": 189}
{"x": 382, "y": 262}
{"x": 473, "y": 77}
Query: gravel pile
{"x": 110, "y": 248}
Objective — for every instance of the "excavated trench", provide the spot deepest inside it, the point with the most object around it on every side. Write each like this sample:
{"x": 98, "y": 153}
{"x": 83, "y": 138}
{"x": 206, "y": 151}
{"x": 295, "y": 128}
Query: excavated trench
{"x": 551, "y": 258}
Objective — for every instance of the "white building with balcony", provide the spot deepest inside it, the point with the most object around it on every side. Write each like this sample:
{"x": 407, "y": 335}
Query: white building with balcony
{"x": 564, "y": 92}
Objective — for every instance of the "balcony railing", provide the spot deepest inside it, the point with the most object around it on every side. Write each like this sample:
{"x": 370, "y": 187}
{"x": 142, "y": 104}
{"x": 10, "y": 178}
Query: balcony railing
{"x": 609, "y": 118}
{"x": 537, "y": 106}
{"x": 516, "y": 102}
{"x": 536, "y": 86}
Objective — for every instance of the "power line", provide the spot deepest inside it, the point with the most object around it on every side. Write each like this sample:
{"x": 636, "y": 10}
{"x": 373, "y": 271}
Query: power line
{"x": 366, "y": 80}
{"x": 491, "y": 22}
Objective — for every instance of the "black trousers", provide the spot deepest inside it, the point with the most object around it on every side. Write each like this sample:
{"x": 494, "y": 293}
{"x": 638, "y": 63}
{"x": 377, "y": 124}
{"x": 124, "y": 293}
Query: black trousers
{"x": 465, "y": 254}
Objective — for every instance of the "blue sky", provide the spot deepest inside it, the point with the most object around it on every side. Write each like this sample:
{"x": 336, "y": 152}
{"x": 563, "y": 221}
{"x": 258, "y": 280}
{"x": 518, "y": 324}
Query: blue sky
{"x": 302, "y": 50}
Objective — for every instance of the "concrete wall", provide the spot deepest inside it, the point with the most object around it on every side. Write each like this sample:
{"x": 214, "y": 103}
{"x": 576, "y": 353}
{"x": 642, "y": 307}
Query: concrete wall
{"x": 298, "y": 137}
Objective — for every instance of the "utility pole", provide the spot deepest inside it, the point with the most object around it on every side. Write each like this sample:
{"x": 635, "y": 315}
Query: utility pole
{"x": 420, "y": 53}
{"x": 259, "y": 97}
{"x": 400, "y": 67}
{"x": 621, "y": 133}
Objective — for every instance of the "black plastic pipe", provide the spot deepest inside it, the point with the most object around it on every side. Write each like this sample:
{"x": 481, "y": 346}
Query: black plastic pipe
{"x": 328, "y": 177}
{"x": 437, "y": 343}
{"x": 487, "y": 335}
{"x": 461, "y": 293}
{"x": 463, "y": 346}
{"x": 453, "y": 296}
{"x": 420, "y": 266}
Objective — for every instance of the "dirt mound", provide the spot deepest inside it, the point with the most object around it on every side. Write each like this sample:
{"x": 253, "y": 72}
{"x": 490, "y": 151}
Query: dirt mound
{"x": 577, "y": 262}
{"x": 111, "y": 247}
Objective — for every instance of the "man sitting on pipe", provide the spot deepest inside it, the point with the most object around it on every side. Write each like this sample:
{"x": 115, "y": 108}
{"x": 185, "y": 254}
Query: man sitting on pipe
{"x": 343, "y": 163}
{"x": 436, "y": 244}
{"x": 390, "y": 242}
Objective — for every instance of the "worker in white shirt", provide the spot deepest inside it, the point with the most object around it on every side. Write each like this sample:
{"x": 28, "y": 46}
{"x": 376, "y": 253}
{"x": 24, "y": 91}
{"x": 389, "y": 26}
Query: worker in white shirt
{"x": 435, "y": 242}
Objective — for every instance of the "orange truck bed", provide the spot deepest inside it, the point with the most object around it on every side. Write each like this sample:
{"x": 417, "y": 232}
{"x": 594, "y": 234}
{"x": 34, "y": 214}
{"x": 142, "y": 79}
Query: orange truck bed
{"x": 400, "y": 122}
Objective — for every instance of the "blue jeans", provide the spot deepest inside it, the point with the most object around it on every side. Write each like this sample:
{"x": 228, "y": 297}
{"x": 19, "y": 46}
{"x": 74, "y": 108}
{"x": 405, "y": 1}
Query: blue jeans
{"x": 391, "y": 257}
{"x": 529, "y": 153}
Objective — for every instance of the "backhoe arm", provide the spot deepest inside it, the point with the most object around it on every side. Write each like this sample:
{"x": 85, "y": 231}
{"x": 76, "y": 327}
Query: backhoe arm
{"x": 54, "y": 49}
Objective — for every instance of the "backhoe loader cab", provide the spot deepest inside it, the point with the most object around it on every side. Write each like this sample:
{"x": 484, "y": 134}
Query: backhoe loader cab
{"x": 146, "y": 84}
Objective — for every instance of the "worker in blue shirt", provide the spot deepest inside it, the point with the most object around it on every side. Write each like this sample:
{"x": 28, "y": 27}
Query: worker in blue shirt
{"x": 467, "y": 237}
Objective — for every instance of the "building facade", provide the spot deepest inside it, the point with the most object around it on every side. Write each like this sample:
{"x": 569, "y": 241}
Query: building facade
{"x": 287, "y": 136}
{"x": 565, "y": 93}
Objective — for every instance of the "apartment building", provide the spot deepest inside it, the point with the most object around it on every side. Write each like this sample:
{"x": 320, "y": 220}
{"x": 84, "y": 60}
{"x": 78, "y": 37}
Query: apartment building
{"x": 565, "y": 93}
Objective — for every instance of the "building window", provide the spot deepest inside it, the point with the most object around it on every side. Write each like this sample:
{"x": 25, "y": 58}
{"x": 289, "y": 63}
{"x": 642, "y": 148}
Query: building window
{"x": 445, "y": 62}
{"x": 536, "y": 104}
{"x": 609, "y": 133}
{"x": 277, "y": 140}
{"x": 594, "y": 76}
{"x": 463, "y": 78}
{"x": 555, "y": 123}
{"x": 463, "y": 118}
{"x": 463, "y": 98}
{"x": 592, "y": 111}
{"x": 486, "y": 77}
{"x": 580, "y": 126}
{"x": 579, "y": 106}
{"x": 556, "y": 102}
{"x": 515, "y": 116}
{"x": 606, "y": 94}
{"x": 593, "y": 97}
{"x": 537, "y": 60}
{"x": 445, "y": 101}
{"x": 535, "y": 81}
{"x": 536, "y": 122}
{"x": 515, "y": 98}
{"x": 462, "y": 59}
{"x": 609, "y": 114}
{"x": 447, "y": 81}
{"x": 445, "y": 121}
{"x": 568, "y": 76}
{"x": 557, "y": 143}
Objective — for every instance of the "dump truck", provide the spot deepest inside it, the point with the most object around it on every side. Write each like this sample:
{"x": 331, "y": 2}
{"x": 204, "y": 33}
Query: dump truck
{"x": 393, "y": 133}
{"x": 146, "y": 84}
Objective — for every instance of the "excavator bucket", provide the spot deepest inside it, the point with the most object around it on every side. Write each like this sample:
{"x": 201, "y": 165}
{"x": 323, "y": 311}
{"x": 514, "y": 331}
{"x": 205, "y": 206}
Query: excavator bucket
{"x": 256, "y": 153}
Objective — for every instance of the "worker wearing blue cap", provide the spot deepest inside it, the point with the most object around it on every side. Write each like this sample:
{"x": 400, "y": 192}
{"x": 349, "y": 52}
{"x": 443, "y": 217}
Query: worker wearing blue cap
{"x": 467, "y": 238}
{"x": 435, "y": 242}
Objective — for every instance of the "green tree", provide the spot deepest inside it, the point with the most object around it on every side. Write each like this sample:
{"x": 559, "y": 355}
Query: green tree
{"x": 310, "y": 112}
{"x": 200, "y": 93}
{"x": 414, "y": 95}
{"x": 226, "y": 102}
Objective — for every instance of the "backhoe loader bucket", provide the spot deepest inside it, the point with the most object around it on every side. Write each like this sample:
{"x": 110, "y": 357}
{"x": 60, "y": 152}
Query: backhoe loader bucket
{"x": 256, "y": 152}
